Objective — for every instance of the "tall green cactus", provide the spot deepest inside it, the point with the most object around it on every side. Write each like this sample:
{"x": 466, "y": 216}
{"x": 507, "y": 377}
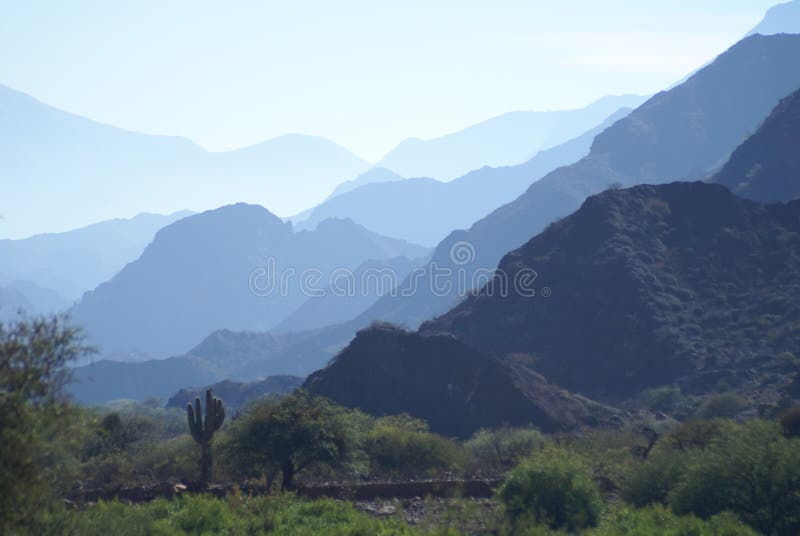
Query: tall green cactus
{"x": 203, "y": 430}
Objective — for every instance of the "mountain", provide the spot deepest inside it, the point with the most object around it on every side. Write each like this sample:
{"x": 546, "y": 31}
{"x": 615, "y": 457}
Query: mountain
{"x": 29, "y": 298}
{"x": 222, "y": 356}
{"x": 237, "y": 395}
{"x": 766, "y": 167}
{"x": 73, "y": 262}
{"x": 373, "y": 176}
{"x": 684, "y": 133}
{"x": 352, "y": 293}
{"x": 783, "y": 18}
{"x": 456, "y": 389}
{"x": 439, "y": 207}
{"x": 236, "y": 267}
{"x": 509, "y": 139}
{"x": 64, "y": 171}
{"x": 645, "y": 287}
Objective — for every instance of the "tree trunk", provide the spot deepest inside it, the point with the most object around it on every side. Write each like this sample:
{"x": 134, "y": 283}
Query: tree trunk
{"x": 288, "y": 476}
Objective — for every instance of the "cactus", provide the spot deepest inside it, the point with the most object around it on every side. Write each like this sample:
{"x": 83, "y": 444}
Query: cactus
{"x": 203, "y": 430}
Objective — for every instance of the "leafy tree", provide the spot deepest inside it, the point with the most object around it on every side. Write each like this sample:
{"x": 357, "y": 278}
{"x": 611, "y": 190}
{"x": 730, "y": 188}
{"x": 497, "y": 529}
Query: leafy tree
{"x": 504, "y": 447}
{"x": 403, "y": 445}
{"x": 552, "y": 488}
{"x": 291, "y": 435}
{"x": 33, "y": 411}
{"x": 752, "y": 470}
{"x": 724, "y": 405}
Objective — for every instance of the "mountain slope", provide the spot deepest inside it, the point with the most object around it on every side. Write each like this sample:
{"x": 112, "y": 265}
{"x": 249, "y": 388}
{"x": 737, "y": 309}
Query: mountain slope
{"x": 75, "y": 261}
{"x": 440, "y": 207}
{"x": 236, "y": 267}
{"x": 64, "y": 171}
{"x": 509, "y": 139}
{"x": 782, "y": 18}
{"x": 643, "y": 287}
{"x": 682, "y": 133}
{"x": 456, "y": 389}
{"x": 351, "y": 294}
{"x": 766, "y": 167}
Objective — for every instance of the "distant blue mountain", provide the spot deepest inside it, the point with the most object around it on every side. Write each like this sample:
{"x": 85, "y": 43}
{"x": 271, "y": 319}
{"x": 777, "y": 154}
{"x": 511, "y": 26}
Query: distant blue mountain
{"x": 685, "y": 133}
{"x": 62, "y": 171}
{"x": 439, "y": 207}
{"x": 29, "y": 299}
{"x": 783, "y": 18}
{"x": 509, "y": 139}
{"x": 237, "y": 267}
{"x": 72, "y": 262}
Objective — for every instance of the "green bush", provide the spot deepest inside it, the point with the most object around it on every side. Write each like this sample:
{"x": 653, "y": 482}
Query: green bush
{"x": 504, "y": 447}
{"x": 660, "y": 521}
{"x": 752, "y": 470}
{"x": 554, "y": 488}
{"x": 651, "y": 480}
{"x": 401, "y": 445}
{"x": 724, "y": 405}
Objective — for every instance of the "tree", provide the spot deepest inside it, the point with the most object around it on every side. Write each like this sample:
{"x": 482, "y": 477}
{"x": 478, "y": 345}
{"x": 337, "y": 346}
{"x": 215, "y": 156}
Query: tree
{"x": 554, "y": 488}
{"x": 290, "y": 435}
{"x": 34, "y": 354}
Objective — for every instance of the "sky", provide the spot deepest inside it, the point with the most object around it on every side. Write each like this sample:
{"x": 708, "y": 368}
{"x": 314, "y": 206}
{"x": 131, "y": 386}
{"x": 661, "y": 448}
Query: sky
{"x": 366, "y": 74}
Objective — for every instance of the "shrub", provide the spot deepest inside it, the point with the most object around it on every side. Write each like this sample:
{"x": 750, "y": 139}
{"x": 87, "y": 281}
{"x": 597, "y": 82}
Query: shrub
{"x": 751, "y": 470}
{"x": 651, "y": 480}
{"x": 404, "y": 446}
{"x": 504, "y": 447}
{"x": 660, "y": 521}
{"x": 552, "y": 488}
{"x": 725, "y": 405}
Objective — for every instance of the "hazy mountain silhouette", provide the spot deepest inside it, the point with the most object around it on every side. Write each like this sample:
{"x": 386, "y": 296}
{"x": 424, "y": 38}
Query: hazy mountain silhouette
{"x": 195, "y": 277}
{"x": 224, "y": 355}
{"x": 782, "y": 18}
{"x": 439, "y": 207}
{"x": 30, "y": 299}
{"x": 72, "y": 262}
{"x": 237, "y": 394}
{"x": 509, "y": 139}
{"x": 647, "y": 286}
{"x": 374, "y": 175}
{"x": 766, "y": 167}
{"x": 683, "y": 133}
{"x": 61, "y": 170}
{"x": 353, "y": 292}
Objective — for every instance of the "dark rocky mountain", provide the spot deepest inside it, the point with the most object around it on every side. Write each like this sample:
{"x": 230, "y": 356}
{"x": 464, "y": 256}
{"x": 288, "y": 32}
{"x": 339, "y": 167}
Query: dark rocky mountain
{"x": 236, "y": 395}
{"x": 644, "y": 287}
{"x": 509, "y": 139}
{"x": 73, "y": 262}
{"x": 457, "y": 389}
{"x": 684, "y": 133}
{"x": 94, "y": 172}
{"x": 782, "y": 18}
{"x": 766, "y": 167}
{"x": 439, "y": 207}
{"x": 222, "y": 269}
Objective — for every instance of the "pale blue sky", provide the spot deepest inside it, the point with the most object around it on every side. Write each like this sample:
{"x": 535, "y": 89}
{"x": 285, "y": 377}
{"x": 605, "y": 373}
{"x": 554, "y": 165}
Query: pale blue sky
{"x": 366, "y": 74}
